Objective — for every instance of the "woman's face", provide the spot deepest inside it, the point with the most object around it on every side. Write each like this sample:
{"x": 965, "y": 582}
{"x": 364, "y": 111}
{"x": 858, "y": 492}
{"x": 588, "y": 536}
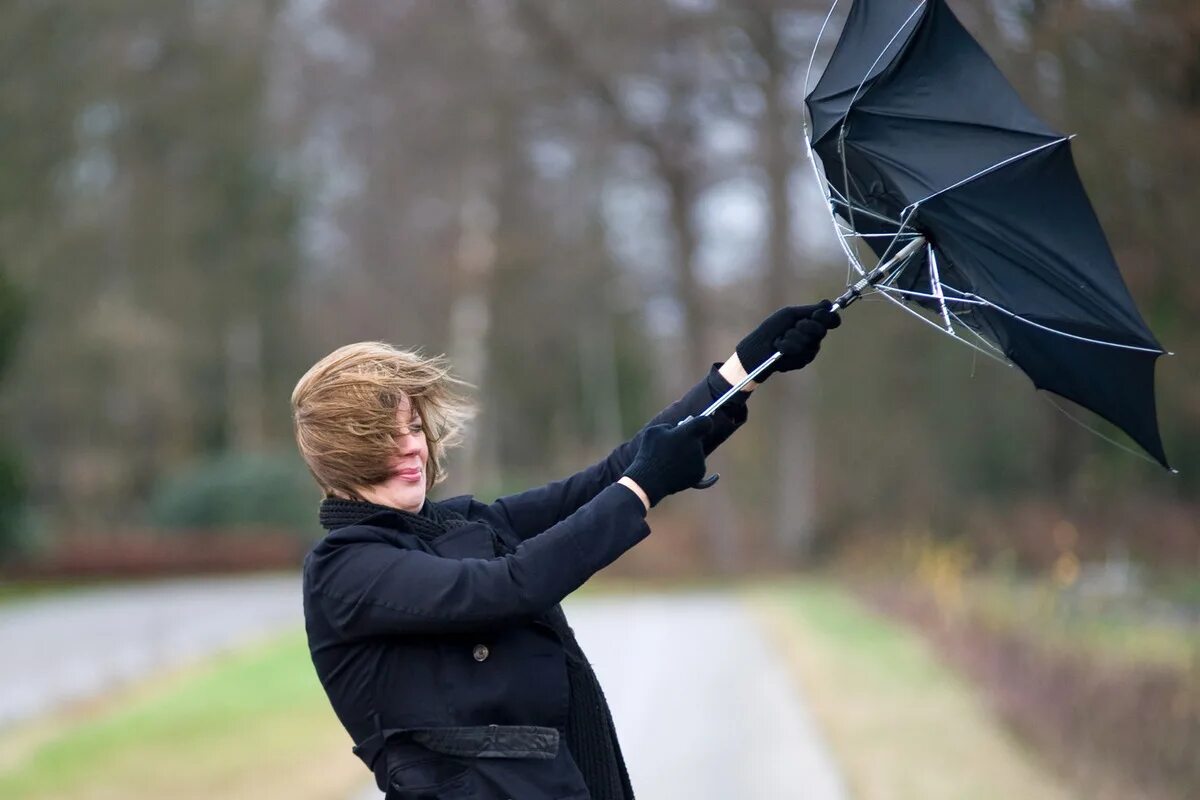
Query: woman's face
{"x": 405, "y": 488}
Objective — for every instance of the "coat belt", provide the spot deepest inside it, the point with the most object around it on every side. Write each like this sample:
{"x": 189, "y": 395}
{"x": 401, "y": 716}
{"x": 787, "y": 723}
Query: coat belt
{"x": 478, "y": 741}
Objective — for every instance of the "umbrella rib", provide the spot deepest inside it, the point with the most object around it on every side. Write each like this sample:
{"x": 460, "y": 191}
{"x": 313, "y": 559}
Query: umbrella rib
{"x": 990, "y": 345}
{"x": 813, "y": 56}
{"x": 935, "y": 281}
{"x": 949, "y": 328}
{"x": 833, "y": 190}
{"x": 1053, "y": 330}
{"x": 846, "y": 172}
{"x": 989, "y": 304}
{"x": 993, "y": 168}
{"x": 862, "y": 209}
{"x": 911, "y": 293}
{"x": 891, "y": 279}
{"x": 942, "y": 331}
{"x": 927, "y": 296}
{"x": 845, "y": 200}
{"x": 880, "y": 112}
{"x": 882, "y": 53}
{"x": 851, "y": 259}
{"x": 895, "y": 238}
{"x": 894, "y": 275}
{"x": 854, "y": 98}
{"x": 1045, "y": 394}
{"x": 1026, "y": 249}
{"x": 845, "y": 232}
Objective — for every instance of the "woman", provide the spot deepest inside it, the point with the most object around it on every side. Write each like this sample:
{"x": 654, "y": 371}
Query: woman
{"x": 435, "y": 626}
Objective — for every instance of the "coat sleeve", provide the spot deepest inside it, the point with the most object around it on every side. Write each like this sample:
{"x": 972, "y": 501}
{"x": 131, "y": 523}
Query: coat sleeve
{"x": 374, "y": 589}
{"x": 530, "y": 512}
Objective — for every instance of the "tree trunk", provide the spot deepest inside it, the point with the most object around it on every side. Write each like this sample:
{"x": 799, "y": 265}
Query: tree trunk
{"x": 470, "y": 323}
{"x": 786, "y": 414}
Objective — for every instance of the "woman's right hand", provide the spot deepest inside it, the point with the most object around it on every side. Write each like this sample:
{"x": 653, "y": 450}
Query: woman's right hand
{"x": 795, "y": 331}
{"x": 670, "y": 458}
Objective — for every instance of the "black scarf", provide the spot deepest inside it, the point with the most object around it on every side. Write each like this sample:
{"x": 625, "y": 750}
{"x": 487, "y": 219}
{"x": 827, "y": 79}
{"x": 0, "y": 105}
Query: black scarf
{"x": 430, "y": 523}
{"x": 590, "y": 735}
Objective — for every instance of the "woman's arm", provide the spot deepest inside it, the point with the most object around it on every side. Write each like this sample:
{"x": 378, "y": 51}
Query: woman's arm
{"x": 377, "y": 589}
{"x": 632, "y": 485}
{"x": 734, "y": 373}
{"x": 794, "y": 331}
{"x": 366, "y": 586}
{"x": 530, "y": 512}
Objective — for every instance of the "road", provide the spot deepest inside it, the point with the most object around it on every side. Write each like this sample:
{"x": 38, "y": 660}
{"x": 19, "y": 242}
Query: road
{"x": 69, "y": 647}
{"x": 703, "y": 704}
{"x": 704, "y": 707}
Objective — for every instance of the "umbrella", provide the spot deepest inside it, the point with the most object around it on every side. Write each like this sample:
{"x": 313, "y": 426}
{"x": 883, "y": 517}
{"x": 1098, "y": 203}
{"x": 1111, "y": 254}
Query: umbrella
{"x": 975, "y": 210}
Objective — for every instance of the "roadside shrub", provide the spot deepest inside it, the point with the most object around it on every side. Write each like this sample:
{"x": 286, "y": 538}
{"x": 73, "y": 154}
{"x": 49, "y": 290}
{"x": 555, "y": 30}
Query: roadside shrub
{"x": 12, "y": 487}
{"x": 1114, "y": 729}
{"x": 238, "y": 490}
{"x": 11, "y": 495}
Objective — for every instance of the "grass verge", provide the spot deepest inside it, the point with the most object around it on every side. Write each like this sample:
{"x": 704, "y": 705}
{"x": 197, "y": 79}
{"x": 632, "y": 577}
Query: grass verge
{"x": 901, "y": 725}
{"x": 254, "y": 723}
{"x": 20, "y": 591}
{"x": 1131, "y": 632}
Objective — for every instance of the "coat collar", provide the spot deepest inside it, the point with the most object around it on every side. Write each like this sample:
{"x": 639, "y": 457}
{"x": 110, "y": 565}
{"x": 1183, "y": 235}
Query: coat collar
{"x": 432, "y": 521}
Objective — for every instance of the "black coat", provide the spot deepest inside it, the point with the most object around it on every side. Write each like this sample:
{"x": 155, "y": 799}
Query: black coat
{"x": 436, "y": 655}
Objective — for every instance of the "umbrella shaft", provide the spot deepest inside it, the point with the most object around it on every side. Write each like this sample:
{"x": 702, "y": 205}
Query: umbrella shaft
{"x": 853, "y": 293}
{"x": 879, "y": 273}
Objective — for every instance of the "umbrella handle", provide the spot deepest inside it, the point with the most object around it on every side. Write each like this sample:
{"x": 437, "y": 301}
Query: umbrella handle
{"x": 849, "y": 296}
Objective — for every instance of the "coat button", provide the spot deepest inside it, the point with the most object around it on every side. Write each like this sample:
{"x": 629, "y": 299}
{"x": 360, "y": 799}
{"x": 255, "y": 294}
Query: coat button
{"x": 480, "y": 652}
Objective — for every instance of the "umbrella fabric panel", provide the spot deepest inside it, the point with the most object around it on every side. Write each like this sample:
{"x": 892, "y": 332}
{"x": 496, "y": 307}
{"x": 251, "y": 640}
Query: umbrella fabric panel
{"x": 1116, "y": 383}
{"x": 938, "y": 113}
{"x": 918, "y": 158}
{"x": 866, "y": 183}
{"x": 874, "y": 32}
{"x": 933, "y": 70}
{"x": 1027, "y": 238}
{"x": 943, "y": 74}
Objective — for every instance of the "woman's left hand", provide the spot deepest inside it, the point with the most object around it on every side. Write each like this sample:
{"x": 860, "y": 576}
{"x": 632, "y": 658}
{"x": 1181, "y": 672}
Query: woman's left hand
{"x": 795, "y": 331}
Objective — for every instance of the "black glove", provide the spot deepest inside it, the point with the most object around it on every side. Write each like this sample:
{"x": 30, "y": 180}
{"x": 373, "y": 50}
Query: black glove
{"x": 670, "y": 458}
{"x": 795, "y": 331}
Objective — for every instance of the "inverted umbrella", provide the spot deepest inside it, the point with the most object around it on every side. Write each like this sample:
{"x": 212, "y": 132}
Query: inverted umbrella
{"x": 975, "y": 210}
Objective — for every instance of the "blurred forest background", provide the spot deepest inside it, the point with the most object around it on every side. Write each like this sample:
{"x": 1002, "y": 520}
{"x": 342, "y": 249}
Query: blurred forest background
{"x": 584, "y": 205}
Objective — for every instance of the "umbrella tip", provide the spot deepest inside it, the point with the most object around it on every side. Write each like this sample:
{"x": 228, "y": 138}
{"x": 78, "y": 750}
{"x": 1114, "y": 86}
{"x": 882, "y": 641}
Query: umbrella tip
{"x": 1174, "y": 471}
{"x": 1170, "y": 353}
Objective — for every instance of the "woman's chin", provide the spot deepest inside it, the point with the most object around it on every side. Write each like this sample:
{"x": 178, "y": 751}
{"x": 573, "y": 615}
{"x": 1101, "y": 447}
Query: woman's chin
{"x": 408, "y": 498}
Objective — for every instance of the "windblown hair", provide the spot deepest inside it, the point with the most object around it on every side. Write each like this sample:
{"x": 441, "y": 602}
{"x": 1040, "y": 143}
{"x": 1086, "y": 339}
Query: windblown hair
{"x": 344, "y": 412}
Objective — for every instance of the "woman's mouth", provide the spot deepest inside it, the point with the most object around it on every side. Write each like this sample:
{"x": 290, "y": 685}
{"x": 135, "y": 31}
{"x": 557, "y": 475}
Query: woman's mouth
{"x": 408, "y": 475}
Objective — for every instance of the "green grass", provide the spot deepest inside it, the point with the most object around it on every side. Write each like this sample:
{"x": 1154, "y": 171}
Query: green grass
{"x": 17, "y": 591}
{"x": 1125, "y": 631}
{"x": 255, "y": 718}
{"x": 900, "y": 723}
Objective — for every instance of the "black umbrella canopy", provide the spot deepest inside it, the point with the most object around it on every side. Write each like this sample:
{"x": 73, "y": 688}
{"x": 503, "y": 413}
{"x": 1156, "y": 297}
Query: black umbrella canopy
{"x": 919, "y": 132}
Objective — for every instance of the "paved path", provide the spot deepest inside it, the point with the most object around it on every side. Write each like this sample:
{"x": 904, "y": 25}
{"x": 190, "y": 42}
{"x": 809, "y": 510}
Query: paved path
{"x": 704, "y": 707}
{"x": 57, "y": 649}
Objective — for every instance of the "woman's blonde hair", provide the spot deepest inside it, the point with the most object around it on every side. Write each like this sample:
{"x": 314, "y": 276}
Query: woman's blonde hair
{"x": 344, "y": 411}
